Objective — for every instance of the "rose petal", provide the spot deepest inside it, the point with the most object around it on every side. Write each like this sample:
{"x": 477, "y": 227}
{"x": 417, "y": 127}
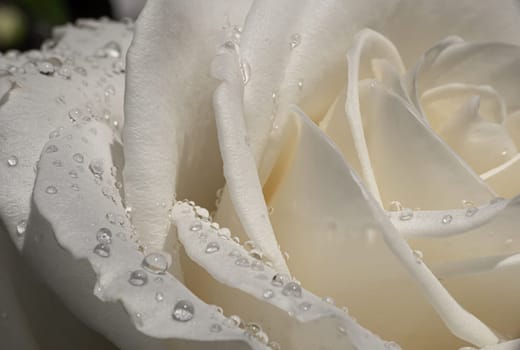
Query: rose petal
{"x": 46, "y": 91}
{"x": 345, "y": 246}
{"x": 64, "y": 248}
{"x": 301, "y": 321}
{"x": 169, "y": 134}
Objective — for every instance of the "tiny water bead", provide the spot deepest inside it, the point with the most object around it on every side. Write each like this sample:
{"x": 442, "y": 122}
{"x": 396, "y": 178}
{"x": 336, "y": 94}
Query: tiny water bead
{"x": 279, "y": 279}
{"x": 215, "y": 328}
{"x": 104, "y": 235}
{"x": 268, "y": 293}
{"x": 73, "y": 174}
{"x": 292, "y": 289}
{"x": 242, "y": 262}
{"x": 183, "y": 311}
{"x": 245, "y": 69}
{"x": 329, "y": 300}
{"x": 196, "y": 227}
{"x": 212, "y": 247}
{"x": 45, "y": 67}
{"x": 12, "y": 161}
{"x": 159, "y": 297}
{"x": 155, "y": 263}
{"x": 406, "y": 214}
{"x": 257, "y": 265}
{"x": 74, "y": 114}
{"x": 295, "y": 40}
{"x": 51, "y": 149}
{"x": 102, "y": 250}
{"x": 446, "y": 219}
{"x": 74, "y": 187}
{"x": 138, "y": 278}
{"x": 112, "y": 49}
{"x": 78, "y": 157}
{"x": 96, "y": 167}
{"x": 471, "y": 211}
{"x": 21, "y": 226}
{"x": 304, "y": 306}
{"x": 51, "y": 190}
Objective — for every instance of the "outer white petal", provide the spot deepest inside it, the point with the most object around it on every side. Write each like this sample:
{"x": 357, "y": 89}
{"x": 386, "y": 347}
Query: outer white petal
{"x": 170, "y": 139}
{"x": 95, "y": 282}
{"x": 42, "y": 92}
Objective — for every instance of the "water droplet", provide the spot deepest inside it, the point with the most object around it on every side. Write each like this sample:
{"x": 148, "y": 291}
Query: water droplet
{"x": 215, "y": 328}
{"x": 45, "y": 67}
{"x": 81, "y": 71}
{"x": 296, "y": 39}
{"x": 12, "y": 161}
{"x": 73, "y": 174}
{"x": 471, "y": 211}
{"x": 446, "y": 219}
{"x": 224, "y": 233}
{"x": 21, "y": 226}
{"x": 112, "y": 49}
{"x": 305, "y": 306}
{"x": 292, "y": 289}
{"x": 279, "y": 279}
{"x": 118, "y": 67}
{"x": 57, "y": 163}
{"x": 242, "y": 262}
{"x": 96, "y": 167}
{"x": 104, "y": 235}
{"x": 234, "y": 321}
{"x": 74, "y": 187}
{"x": 51, "y": 190}
{"x": 418, "y": 255}
{"x": 268, "y": 294}
{"x": 102, "y": 250}
{"x": 274, "y": 345}
{"x": 212, "y": 247}
{"x": 406, "y": 214}
{"x": 329, "y": 300}
{"x": 245, "y": 69}
{"x": 196, "y": 227}
{"x": 51, "y": 149}
{"x": 65, "y": 72}
{"x": 74, "y": 114}
{"x": 391, "y": 345}
{"x": 300, "y": 84}
{"x": 183, "y": 311}
{"x": 257, "y": 265}
{"x": 235, "y": 253}
{"x": 159, "y": 297}
{"x": 78, "y": 157}
{"x": 138, "y": 278}
{"x": 110, "y": 90}
{"x": 155, "y": 263}
{"x": 396, "y": 206}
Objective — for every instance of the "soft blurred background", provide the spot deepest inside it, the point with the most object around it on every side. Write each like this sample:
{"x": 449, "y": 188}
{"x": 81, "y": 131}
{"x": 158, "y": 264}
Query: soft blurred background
{"x": 24, "y": 24}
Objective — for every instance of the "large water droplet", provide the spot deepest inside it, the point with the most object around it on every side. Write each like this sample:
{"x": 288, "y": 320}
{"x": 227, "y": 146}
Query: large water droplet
{"x": 112, "y": 49}
{"x": 183, "y": 311}
{"x": 138, "y": 278}
{"x": 102, "y": 250}
{"x": 155, "y": 263}
{"x": 104, "y": 235}
{"x": 292, "y": 289}
{"x": 212, "y": 247}
{"x": 12, "y": 161}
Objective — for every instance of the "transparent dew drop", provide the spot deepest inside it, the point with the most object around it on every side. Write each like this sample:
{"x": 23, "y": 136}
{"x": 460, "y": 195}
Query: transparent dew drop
{"x": 196, "y": 227}
{"x": 78, "y": 157}
{"x": 96, "y": 167}
{"x": 81, "y": 71}
{"x": 471, "y": 211}
{"x": 45, "y": 67}
{"x": 242, "y": 262}
{"x": 446, "y": 219}
{"x": 295, "y": 40}
{"x": 159, "y": 297}
{"x": 406, "y": 214}
{"x": 212, "y": 247}
{"x": 215, "y": 328}
{"x": 274, "y": 345}
{"x": 112, "y": 49}
{"x": 102, "y": 250}
{"x": 118, "y": 67}
{"x": 391, "y": 345}
{"x": 268, "y": 294}
{"x": 329, "y": 300}
{"x": 279, "y": 279}
{"x": 104, "y": 235}
{"x": 110, "y": 90}
{"x": 245, "y": 69}
{"x": 21, "y": 226}
{"x": 300, "y": 84}
{"x": 138, "y": 278}
{"x": 51, "y": 190}
{"x": 73, "y": 174}
{"x": 65, "y": 72}
{"x": 257, "y": 265}
{"x": 12, "y": 161}
{"x": 155, "y": 263}
{"x": 183, "y": 311}
{"x": 54, "y": 134}
{"x": 74, "y": 187}
{"x": 395, "y": 206}
{"x": 51, "y": 149}
{"x": 292, "y": 289}
{"x": 235, "y": 253}
{"x": 304, "y": 306}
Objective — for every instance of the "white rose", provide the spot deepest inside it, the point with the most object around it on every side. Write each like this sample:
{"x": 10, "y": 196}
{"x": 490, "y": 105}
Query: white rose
{"x": 281, "y": 98}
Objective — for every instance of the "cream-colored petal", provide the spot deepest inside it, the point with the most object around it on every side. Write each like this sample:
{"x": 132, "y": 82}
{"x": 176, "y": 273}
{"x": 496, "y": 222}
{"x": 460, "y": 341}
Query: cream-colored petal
{"x": 77, "y": 77}
{"x": 411, "y": 164}
{"x": 170, "y": 139}
{"x": 504, "y": 178}
{"x": 340, "y": 244}
{"x": 95, "y": 273}
{"x": 240, "y": 282}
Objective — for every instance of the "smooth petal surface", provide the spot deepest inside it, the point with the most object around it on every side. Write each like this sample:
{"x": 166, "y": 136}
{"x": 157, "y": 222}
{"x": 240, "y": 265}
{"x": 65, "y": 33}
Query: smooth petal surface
{"x": 347, "y": 247}
{"x": 170, "y": 138}
{"x": 93, "y": 272}
{"x": 48, "y": 90}
{"x": 241, "y": 283}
